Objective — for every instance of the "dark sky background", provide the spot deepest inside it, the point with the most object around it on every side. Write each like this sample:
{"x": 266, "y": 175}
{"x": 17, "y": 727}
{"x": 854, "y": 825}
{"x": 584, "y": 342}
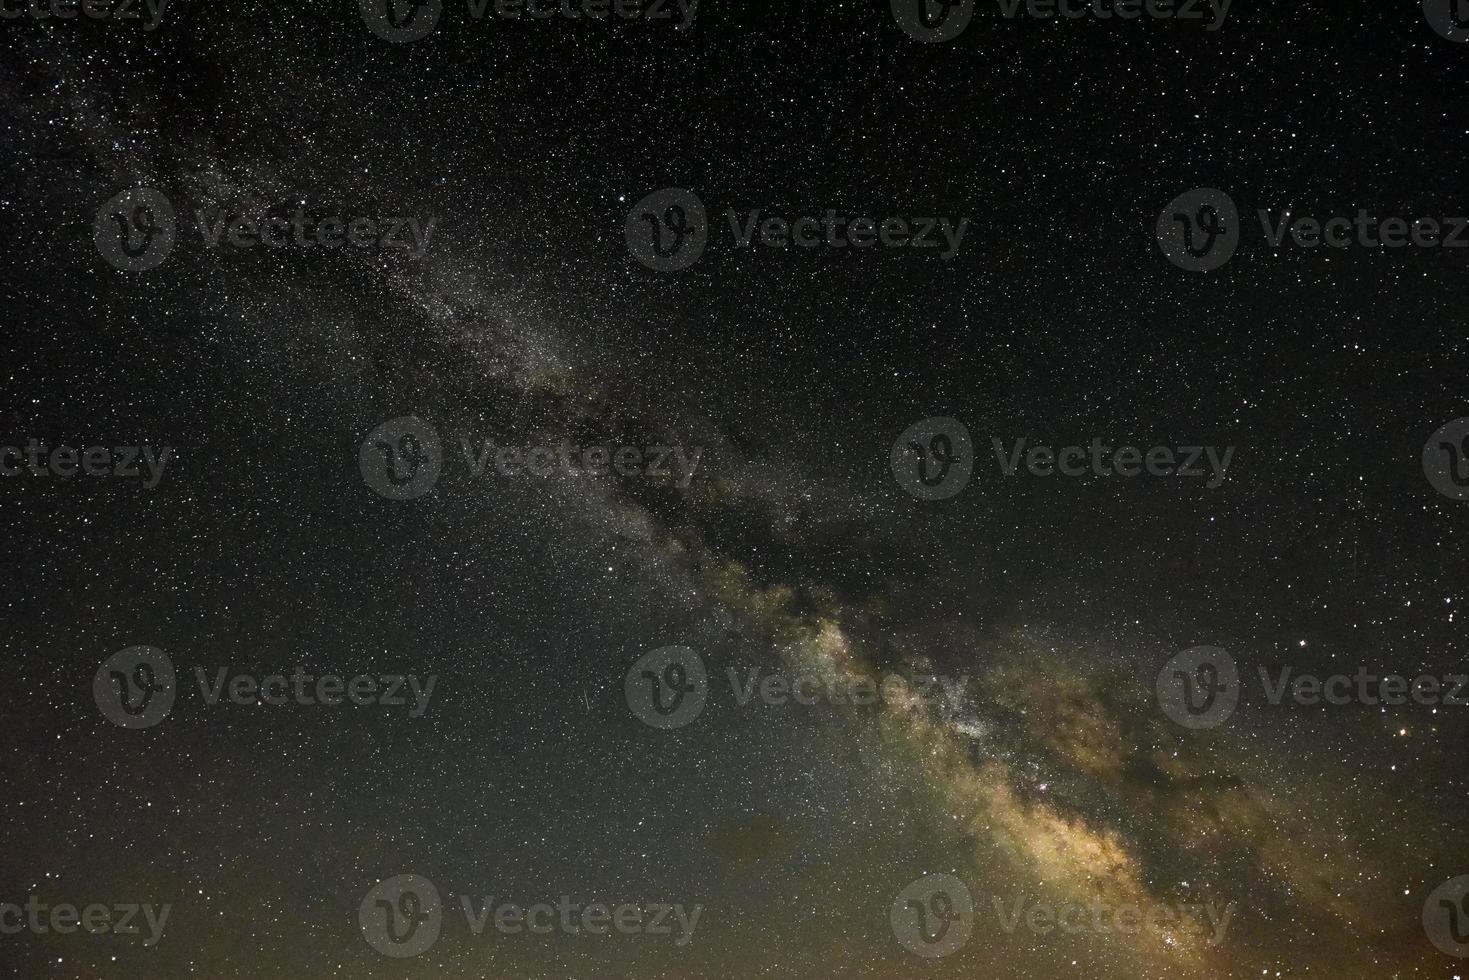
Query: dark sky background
{"x": 1059, "y": 320}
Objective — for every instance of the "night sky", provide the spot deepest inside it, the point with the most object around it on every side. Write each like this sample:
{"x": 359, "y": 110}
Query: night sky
{"x": 322, "y": 405}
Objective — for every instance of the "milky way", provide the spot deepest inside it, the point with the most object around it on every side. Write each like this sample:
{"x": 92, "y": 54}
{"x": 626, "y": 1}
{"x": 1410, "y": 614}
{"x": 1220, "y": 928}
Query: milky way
{"x": 715, "y": 491}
